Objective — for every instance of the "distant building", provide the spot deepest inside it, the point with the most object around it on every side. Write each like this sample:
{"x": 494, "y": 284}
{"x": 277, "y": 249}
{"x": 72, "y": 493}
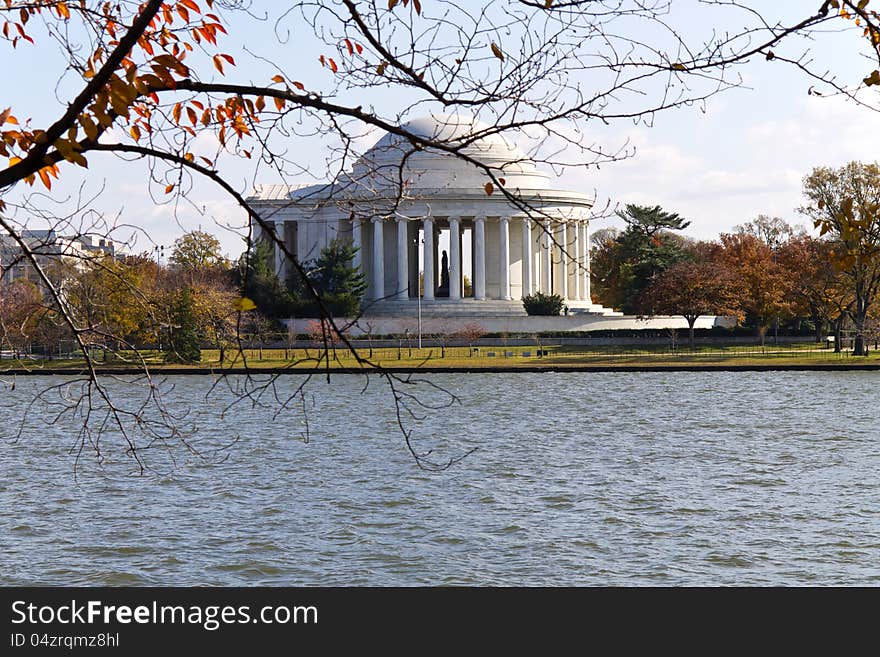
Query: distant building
{"x": 50, "y": 248}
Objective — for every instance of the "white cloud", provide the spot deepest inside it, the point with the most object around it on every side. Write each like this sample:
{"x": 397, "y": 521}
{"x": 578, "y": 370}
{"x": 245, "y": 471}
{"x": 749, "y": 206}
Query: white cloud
{"x": 736, "y": 170}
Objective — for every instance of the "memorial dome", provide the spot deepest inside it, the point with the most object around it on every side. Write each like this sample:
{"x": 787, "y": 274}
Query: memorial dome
{"x": 433, "y": 170}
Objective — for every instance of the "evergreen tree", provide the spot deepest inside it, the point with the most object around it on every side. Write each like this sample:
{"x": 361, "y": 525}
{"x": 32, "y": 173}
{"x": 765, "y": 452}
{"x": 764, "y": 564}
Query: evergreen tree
{"x": 333, "y": 275}
{"x": 183, "y": 334}
{"x": 625, "y": 264}
{"x": 647, "y": 222}
{"x": 259, "y": 282}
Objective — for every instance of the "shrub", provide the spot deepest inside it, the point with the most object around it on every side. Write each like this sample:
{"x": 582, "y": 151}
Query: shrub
{"x": 543, "y": 304}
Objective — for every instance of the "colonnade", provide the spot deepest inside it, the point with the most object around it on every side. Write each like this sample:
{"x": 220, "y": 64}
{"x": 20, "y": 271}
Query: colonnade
{"x": 553, "y": 259}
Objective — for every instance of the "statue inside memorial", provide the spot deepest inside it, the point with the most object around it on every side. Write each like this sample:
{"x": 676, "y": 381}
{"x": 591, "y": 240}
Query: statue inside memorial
{"x": 443, "y": 291}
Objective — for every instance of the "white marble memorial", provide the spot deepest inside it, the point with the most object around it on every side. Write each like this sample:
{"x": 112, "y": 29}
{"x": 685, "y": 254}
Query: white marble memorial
{"x": 399, "y": 216}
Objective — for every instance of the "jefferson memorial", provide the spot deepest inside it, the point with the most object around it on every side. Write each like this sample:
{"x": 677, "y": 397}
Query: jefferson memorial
{"x": 415, "y": 211}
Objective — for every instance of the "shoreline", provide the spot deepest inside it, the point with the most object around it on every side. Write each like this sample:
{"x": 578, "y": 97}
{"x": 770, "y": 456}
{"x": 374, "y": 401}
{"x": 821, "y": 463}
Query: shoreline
{"x": 431, "y": 369}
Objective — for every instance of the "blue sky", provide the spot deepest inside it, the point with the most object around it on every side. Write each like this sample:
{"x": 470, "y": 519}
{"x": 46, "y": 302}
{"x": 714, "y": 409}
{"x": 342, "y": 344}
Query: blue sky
{"x": 741, "y": 154}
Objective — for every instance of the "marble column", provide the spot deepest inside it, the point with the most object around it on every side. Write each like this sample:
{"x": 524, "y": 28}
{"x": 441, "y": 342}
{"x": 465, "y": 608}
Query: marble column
{"x": 402, "y": 258}
{"x": 586, "y": 272}
{"x": 563, "y": 254}
{"x": 357, "y": 242}
{"x": 479, "y": 257}
{"x": 504, "y": 257}
{"x": 428, "y": 259}
{"x": 454, "y": 258}
{"x": 378, "y": 258}
{"x": 536, "y": 260}
{"x": 526, "y": 257}
{"x": 578, "y": 292}
{"x": 280, "y": 257}
{"x": 547, "y": 260}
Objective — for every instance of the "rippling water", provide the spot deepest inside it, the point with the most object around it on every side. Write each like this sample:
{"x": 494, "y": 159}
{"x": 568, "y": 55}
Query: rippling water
{"x": 580, "y": 479}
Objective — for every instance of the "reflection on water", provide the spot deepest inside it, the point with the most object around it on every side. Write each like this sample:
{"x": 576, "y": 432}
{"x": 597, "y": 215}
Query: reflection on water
{"x": 581, "y": 478}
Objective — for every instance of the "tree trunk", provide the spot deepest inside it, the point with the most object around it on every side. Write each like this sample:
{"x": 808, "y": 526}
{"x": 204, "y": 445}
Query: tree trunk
{"x": 859, "y": 318}
{"x": 817, "y": 323}
{"x": 691, "y": 321}
{"x": 860, "y": 347}
{"x": 838, "y": 329}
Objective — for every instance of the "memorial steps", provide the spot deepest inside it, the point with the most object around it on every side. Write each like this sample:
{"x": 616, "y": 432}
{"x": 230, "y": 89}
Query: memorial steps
{"x": 409, "y": 308}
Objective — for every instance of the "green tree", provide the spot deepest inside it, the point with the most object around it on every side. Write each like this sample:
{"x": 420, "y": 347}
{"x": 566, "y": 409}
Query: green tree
{"x": 197, "y": 250}
{"x": 845, "y": 204}
{"x": 625, "y": 263}
{"x": 184, "y": 341}
{"x": 649, "y": 221}
{"x": 333, "y": 275}
{"x": 258, "y": 281}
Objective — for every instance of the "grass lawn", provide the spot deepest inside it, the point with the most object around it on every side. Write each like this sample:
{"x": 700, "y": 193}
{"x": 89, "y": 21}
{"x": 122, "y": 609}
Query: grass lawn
{"x": 497, "y": 357}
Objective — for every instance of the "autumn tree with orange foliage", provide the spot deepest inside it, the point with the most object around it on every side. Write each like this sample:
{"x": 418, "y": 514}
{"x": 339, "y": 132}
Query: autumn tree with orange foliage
{"x": 844, "y": 203}
{"x": 704, "y": 285}
{"x": 763, "y": 283}
{"x": 816, "y": 289}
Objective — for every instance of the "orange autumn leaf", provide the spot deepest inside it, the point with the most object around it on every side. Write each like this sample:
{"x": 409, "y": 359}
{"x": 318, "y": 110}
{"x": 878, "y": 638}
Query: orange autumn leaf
{"x": 44, "y": 178}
